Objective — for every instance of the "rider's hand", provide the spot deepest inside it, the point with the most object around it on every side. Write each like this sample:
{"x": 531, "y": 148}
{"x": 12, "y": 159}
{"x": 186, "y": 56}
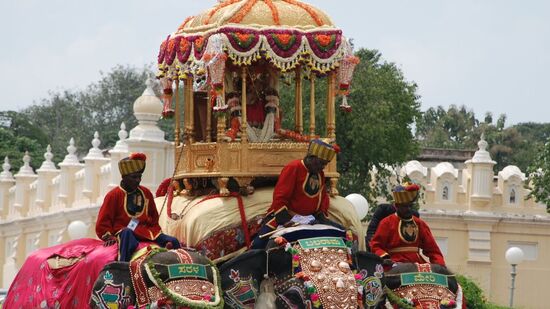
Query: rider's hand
{"x": 282, "y": 216}
{"x": 387, "y": 262}
{"x": 109, "y": 240}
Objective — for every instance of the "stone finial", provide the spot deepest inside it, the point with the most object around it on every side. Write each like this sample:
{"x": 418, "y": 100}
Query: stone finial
{"x": 71, "y": 157}
{"x": 482, "y": 155}
{"x": 482, "y": 144}
{"x": 122, "y": 136}
{"x": 147, "y": 110}
{"x": 95, "y": 152}
{"x": 26, "y": 169}
{"x": 149, "y": 90}
{"x": 48, "y": 163}
{"x": 6, "y": 174}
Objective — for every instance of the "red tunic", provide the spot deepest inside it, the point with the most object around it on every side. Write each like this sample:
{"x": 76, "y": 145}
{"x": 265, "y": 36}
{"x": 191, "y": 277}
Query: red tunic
{"x": 255, "y": 113}
{"x": 402, "y": 239}
{"x": 114, "y": 216}
{"x": 300, "y": 191}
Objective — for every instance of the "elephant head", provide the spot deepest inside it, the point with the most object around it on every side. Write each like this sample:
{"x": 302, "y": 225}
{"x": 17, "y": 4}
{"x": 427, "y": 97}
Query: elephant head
{"x": 241, "y": 278}
{"x": 428, "y": 285}
{"x": 305, "y": 273}
{"x": 173, "y": 277}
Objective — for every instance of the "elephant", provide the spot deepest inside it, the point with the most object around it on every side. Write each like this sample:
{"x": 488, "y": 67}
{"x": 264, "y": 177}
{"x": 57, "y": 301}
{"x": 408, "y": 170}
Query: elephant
{"x": 166, "y": 278}
{"x": 297, "y": 272}
{"x": 427, "y": 285}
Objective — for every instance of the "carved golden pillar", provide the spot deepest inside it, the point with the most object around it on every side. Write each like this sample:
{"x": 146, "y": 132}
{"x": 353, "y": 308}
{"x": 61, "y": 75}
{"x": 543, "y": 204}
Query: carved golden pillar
{"x": 177, "y": 115}
{"x": 186, "y": 109}
{"x": 191, "y": 111}
{"x": 208, "y": 119}
{"x": 244, "y": 123}
{"x": 312, "y": 106}
{"x": 298, "y": 114}
{"x": 331, "y": 115}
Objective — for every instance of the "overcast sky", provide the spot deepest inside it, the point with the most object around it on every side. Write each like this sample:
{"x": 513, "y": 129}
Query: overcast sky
{"x": 490, "y": 55}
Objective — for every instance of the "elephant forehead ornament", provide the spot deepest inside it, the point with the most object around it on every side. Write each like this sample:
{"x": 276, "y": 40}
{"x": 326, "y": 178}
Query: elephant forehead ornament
{"x": 325, "y": 269}
{"x": 426, "y": 288}
{"x": 177, "y": 276}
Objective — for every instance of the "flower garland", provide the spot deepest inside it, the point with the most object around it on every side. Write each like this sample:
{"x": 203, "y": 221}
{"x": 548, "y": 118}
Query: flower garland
{"x": 345, "y": 74}
{"x": 402, "y": 303}
{"x": 167, "y": 111}
{"x": 308, "y": 9}
{"x": 154, "y": 275}
{"x": 295, "y": 136}
{"x": 237, "y": 18}
{"x": 284, "y": 48}
{"x": 274, "y": 12}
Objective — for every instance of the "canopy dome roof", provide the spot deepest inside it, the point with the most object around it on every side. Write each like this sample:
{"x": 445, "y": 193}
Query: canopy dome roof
{"x": 257, "y": 14}
{"x": 287, "y": 33}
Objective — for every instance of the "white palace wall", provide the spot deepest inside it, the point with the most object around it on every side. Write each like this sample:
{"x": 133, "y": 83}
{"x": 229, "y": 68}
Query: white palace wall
{"x": 474, "y": 215}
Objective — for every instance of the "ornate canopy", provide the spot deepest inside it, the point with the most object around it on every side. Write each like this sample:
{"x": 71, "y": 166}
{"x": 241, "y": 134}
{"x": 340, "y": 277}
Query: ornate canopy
{"x": 284, "y": 32}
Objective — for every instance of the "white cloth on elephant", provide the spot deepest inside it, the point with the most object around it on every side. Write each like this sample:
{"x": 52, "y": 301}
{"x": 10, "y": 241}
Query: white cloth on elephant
{"x": 302, "y": 219}
{"x": 200, "y": 219}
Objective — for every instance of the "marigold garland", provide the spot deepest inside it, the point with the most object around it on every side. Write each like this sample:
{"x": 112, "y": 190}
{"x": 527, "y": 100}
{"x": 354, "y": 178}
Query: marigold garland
{"x": 395, "y": 300}
{"x": 274, "y": 12}
{"x": 185, "y": 23}
{"x": 237, "y": 18}
{"x": 308, "y": 9}
{"x": 217, "y": 8}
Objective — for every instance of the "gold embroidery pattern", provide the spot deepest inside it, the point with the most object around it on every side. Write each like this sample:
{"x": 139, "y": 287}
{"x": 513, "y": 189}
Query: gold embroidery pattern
{"x": 190, "y": 288}
{"x": 428, "y": 295}
{"x": 408, "y": 231}
{"x": 331, "y": 275}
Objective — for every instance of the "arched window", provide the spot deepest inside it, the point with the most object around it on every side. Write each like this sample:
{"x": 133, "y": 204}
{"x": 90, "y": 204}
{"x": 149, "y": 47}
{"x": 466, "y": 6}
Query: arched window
{"x": 512, "y": 196}
{"x": 445, "y": 193}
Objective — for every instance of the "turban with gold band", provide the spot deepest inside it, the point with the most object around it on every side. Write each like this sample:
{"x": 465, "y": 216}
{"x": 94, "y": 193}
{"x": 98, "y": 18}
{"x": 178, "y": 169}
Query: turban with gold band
{"x": 135, "y": 163}
{"x": 322, "y": 150}
{"x": 405, "y": 193}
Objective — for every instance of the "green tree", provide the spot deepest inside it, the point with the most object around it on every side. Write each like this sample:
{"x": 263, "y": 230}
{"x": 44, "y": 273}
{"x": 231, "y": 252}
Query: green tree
{"x": 458, "y": 128}
{"x": 539, "y": 176}
{"x": 451, "y": 129}
{"x": 101, "y": 107}
{"x": 19, "y": 135}
{"x": 377, "y": 134}
{"x": 14, "y": 147}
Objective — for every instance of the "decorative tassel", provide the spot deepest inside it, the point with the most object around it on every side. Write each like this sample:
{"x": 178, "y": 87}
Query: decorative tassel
{"x": 315, "y": 300}
{"x": 345, "y": 107}
{"x": 267, "y": 297}
{"x": 220, "y": 106}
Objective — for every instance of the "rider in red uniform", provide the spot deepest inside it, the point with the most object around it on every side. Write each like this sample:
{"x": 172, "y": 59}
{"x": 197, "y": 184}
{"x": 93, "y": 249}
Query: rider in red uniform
{"x": 400, "y": 236}
{"x": 129, "y": 214}
{"x": 301, "y": 189}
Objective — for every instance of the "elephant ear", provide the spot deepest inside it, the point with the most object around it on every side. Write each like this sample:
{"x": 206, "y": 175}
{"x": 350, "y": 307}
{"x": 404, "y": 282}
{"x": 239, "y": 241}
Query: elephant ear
{"x": 370, "y": 275}
{"x": 241, "y": 278}
{"x": 113, "y": 287}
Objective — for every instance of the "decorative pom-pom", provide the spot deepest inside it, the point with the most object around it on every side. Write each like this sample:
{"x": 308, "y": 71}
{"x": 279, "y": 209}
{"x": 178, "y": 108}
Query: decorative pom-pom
{"x": 280, "y": 241}
{"x": 137, "y": 156}
{"x": 412, "y": 187}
